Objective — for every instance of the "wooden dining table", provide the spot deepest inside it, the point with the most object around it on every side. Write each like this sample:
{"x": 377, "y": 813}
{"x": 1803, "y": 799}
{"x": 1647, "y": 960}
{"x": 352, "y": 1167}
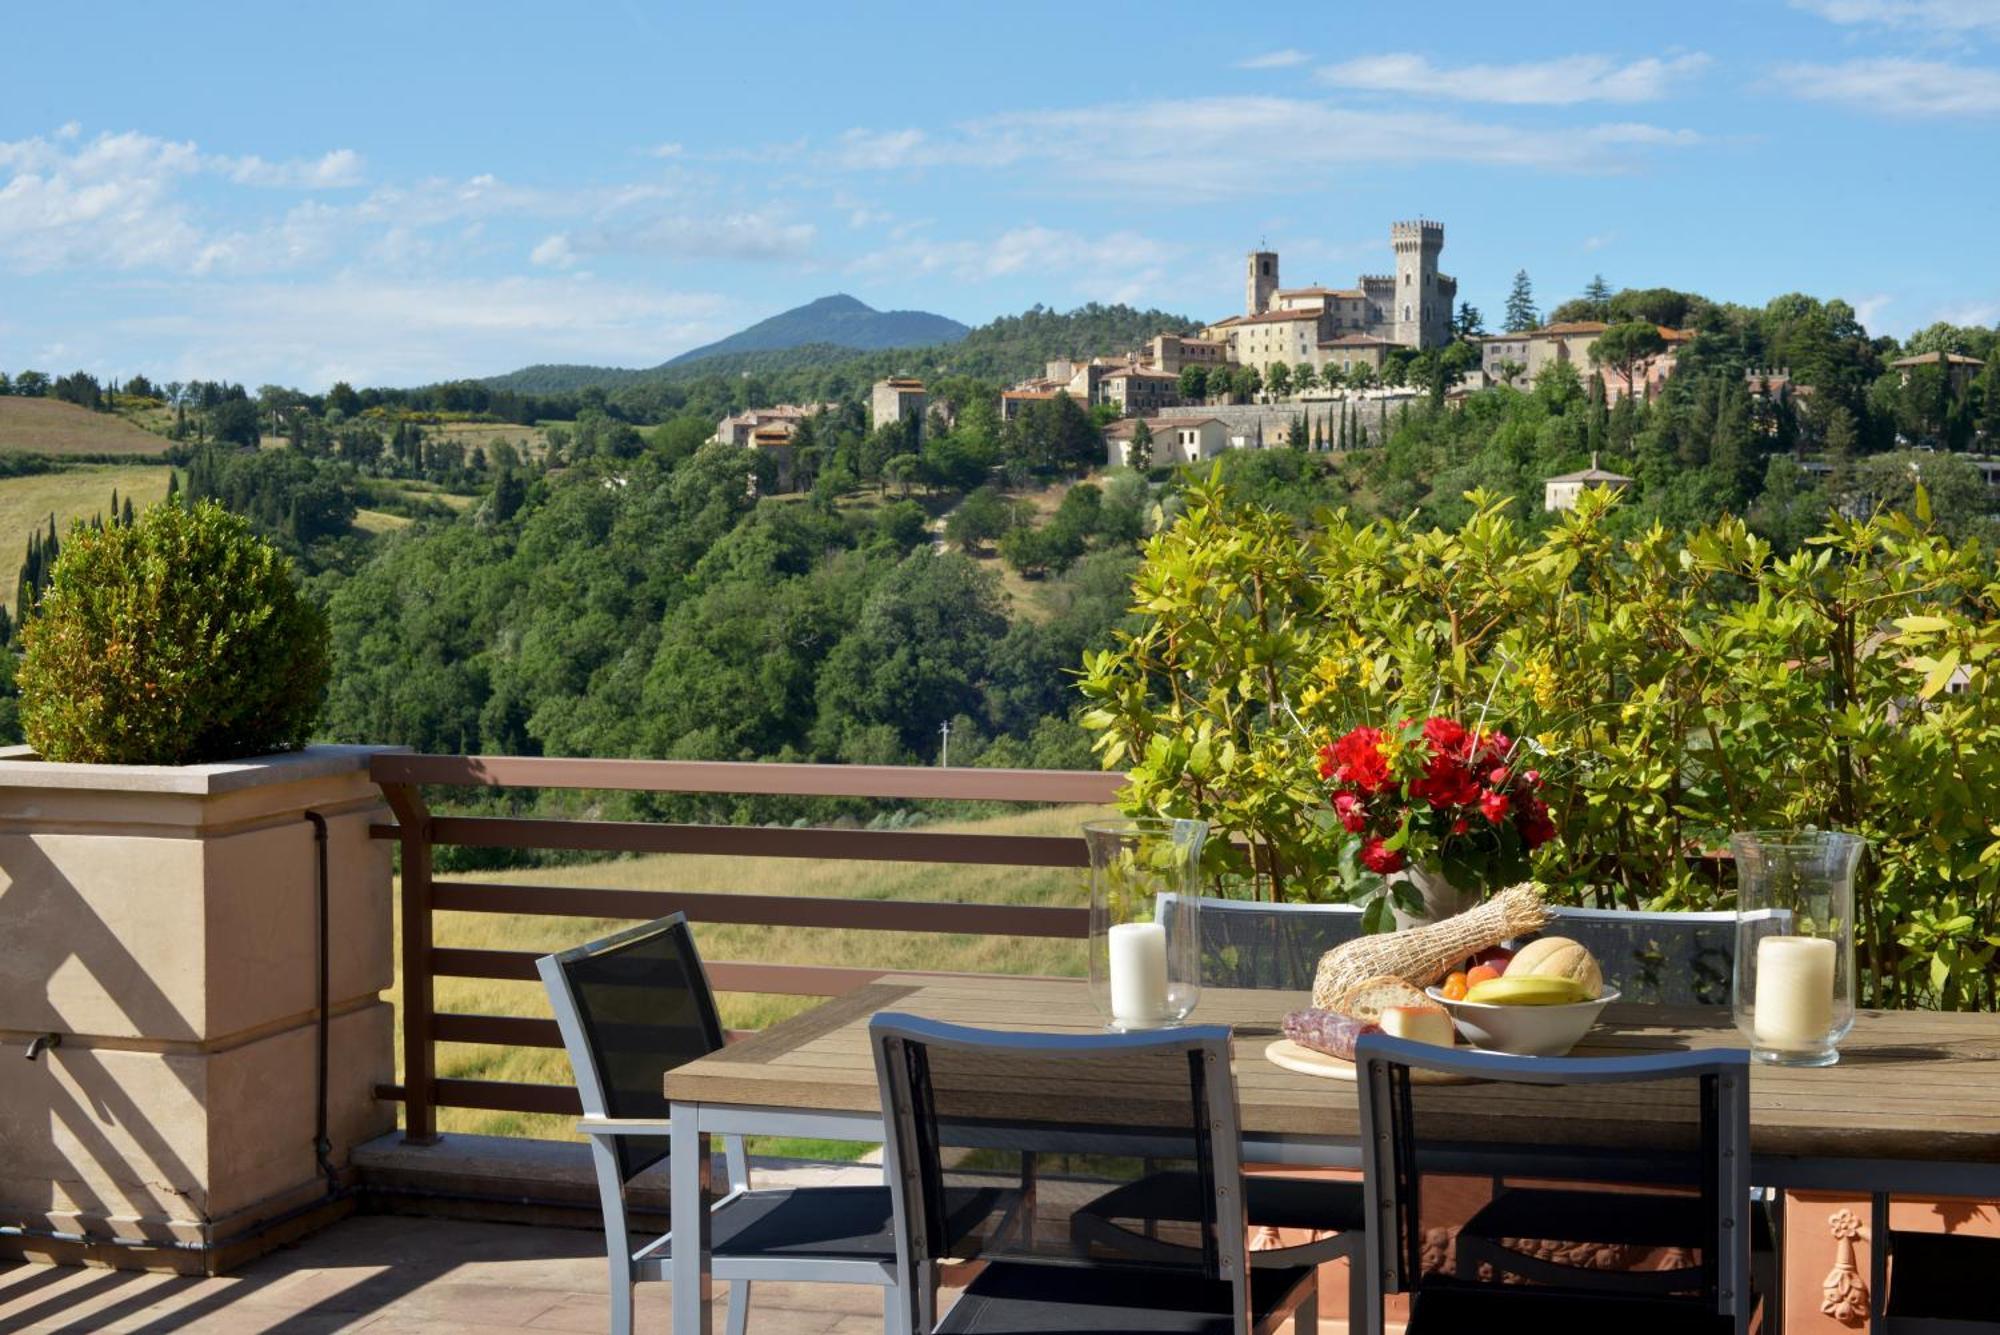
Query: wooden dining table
{"x": 1912, "y": 1107}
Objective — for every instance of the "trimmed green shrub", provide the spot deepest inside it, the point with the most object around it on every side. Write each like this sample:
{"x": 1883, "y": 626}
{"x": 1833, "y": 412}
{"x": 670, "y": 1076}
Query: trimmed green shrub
{"x": 180, "y": 639}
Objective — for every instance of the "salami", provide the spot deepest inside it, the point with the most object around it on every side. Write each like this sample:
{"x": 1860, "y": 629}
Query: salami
{"x": 1327, "y": 1031}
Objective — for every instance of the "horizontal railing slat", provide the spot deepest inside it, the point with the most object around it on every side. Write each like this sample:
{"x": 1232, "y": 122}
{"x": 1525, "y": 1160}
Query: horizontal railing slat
{"x": 998, "y": 850}
{"x": 684, "y": 776}
{"x": 879, "y": 915}
{"x": 512, "y": 1031}
{"x": 508, "y": 1096}
{"x": 796, "y": 980}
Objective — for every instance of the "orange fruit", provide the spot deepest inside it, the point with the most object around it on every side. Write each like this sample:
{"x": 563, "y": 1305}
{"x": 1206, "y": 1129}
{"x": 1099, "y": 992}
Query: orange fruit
{"x": 1454, "y": 986}
{"x": 1480, "y": 973}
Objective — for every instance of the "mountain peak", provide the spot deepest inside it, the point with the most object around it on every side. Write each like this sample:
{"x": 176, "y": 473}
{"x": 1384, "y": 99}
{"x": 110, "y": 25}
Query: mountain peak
{"x": 840, "y": 320}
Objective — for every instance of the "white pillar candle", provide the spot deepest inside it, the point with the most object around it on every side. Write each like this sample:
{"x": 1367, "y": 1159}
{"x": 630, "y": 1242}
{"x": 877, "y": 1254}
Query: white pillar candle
{"x": 1138, "y": 973}
{"x": 1794, "y": 992}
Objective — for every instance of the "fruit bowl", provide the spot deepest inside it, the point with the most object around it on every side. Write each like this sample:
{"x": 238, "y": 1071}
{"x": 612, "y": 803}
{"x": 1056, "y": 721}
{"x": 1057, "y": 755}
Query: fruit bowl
{"x": 1524, "y": 1031}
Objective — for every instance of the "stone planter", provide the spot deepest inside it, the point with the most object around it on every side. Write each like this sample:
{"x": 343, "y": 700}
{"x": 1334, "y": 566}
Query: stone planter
{"x": 163, "y": 923}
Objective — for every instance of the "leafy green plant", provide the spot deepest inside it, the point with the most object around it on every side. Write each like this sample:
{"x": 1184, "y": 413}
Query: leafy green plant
{"x": 179, "y": 639}
{"x": 1673, "y": 687}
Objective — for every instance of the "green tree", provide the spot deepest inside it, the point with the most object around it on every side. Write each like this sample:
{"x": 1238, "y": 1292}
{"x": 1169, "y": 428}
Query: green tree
{"x": 1623, "y": 347}
{"x": 979, "y": 519}
{"x": 1278, "y": 379}
{"x": 1140, "y": 452}
{"x": 1194, "y": 383}
{"x": 1521, "y": 313}
{"x": 1597, "y": 295}
{"x": 1468, "y": 323}
{"x": 1304, "y": 378}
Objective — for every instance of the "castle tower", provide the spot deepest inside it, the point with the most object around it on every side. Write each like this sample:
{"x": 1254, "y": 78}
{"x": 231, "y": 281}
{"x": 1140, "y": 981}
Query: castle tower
{"x": 1422, "y": 315}
{"x": 1261, "y": 282}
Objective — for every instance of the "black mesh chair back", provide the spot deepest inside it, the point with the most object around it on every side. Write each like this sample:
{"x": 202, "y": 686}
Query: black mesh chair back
{"x": 1647, "y": 1136}
{"x": 632, "y": 1007}
{"x": 1657, "y": 959}
{"x": 1252, "y": 944}
{"x": 961, "y": 1102}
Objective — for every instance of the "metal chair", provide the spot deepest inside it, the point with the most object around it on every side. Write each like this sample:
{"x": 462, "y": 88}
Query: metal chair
{"x": 1254, "y": 944}
{"x": 1703, "y": 1184}
{"x": 1657, "y": 959}
{"x": 631, "y": 1008}
{"x": 960, "y": 1100}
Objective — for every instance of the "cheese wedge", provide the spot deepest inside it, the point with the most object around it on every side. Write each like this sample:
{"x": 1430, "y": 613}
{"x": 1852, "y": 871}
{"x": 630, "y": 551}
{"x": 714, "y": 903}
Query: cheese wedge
{"x": 1420, "y": 1024}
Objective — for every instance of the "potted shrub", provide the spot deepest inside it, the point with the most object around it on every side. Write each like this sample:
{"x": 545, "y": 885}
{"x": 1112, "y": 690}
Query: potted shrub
{"x": 161, "y": 901}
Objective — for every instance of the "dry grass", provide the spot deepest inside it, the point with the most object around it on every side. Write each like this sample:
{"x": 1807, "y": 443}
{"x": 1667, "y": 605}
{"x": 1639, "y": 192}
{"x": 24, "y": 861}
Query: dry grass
{"x": 50, "y": 426}
{"x": 374, "y": 522}
{"x": 729, "y": 942}
{"x": 74, "y": 493}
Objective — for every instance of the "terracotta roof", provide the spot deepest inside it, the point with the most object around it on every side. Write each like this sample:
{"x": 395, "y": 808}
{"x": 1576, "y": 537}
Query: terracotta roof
{"x": 902, "y": 382}
{"x": 1591, "y": 475}
{"x": 1937, "y": 358}
{"x": 1353, "y": 293}
{"x": 1226, "y": 322}
{"x": 1140, "y": 371}
{"x": 1574, "y": 327}
{"x": 1277, "y": 317}
{"x": 1125, "y": 426}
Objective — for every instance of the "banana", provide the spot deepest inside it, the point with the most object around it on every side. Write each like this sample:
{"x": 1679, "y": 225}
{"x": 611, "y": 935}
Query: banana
{"x": 1534, "y": 990}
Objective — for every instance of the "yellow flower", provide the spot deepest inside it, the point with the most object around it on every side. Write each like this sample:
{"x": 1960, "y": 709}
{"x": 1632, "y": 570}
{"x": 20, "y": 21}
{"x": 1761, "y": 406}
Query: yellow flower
{"x": 1540, "y": 679}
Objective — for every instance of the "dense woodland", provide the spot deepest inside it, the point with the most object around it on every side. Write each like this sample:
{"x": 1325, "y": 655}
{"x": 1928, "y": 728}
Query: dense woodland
{"x": 620, "y": 587}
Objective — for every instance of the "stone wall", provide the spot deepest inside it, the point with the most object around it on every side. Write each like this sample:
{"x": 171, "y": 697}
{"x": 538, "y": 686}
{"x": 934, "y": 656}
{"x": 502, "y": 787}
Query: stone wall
{"x": 1375, "y": 412}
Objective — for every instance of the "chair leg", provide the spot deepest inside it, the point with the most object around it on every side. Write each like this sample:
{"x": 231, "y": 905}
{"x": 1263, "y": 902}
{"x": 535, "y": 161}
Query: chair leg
{"x": 739, "y": 1306}
{"x": 621, "y": 1298}
{"x": 1362, "y": 1312}
{"x": 1305, "y": 1317}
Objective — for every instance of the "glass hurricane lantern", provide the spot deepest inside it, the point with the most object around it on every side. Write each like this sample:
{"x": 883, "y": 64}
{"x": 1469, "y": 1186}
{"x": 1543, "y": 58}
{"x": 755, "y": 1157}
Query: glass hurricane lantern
{"x": 1145, "y": 924}
{"x": 1794, "y": 988}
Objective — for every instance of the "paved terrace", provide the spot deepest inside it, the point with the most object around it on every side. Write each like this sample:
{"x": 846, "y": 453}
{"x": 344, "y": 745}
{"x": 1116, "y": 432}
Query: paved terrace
{"x": 397, "y": 1275}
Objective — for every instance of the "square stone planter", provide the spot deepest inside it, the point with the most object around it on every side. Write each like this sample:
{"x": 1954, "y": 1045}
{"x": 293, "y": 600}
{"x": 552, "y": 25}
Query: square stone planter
{"x": 162, "y": 922}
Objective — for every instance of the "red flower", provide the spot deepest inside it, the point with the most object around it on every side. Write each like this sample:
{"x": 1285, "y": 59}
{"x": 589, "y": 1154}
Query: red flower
{"x": 1376, "y": 858}
{"x": 1445, "y": 735}
{"x": 1461, "y": 825}
{"x": 1358, "y": 760}
{"x": 1497, "y": 776}
{"x": 1446, "y": 783}
{"x": 1353, "y": 815}
{"x": 1536, "y": 827}
{"x": 1495, "y": 806}
{"x": 1326, "y": 761}
{"x": 1533, "y": 778}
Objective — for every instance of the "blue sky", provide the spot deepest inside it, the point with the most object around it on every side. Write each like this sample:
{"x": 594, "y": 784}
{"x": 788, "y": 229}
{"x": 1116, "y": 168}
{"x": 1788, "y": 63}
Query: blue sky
{"x": 395, "y": 193}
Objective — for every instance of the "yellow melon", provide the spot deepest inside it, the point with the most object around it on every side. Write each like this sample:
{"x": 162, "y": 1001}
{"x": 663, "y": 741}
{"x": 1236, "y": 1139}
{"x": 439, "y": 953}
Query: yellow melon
{"x": 1558, "y": 957}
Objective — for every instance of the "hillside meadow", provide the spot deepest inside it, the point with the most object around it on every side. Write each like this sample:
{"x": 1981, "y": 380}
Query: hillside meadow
{"x": 746, "y": 944}
{"x": 50, "y": 426}
{"x": 75, "y": 493}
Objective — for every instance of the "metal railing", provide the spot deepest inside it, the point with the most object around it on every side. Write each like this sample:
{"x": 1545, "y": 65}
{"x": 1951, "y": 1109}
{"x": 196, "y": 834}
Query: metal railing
{"x": 403, "y": 777}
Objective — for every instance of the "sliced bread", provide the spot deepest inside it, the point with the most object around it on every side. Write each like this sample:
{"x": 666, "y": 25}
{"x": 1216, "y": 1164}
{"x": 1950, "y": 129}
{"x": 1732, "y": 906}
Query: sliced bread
{"x": 1367, "y": 999}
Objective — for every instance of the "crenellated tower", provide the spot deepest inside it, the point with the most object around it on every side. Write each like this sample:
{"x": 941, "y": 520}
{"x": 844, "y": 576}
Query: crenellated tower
{"x": 1423, "y": 303}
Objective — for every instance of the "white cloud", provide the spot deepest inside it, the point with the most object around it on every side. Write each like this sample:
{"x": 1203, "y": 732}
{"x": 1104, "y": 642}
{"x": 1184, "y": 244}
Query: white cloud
{"x": 1943, "y": 17}
{"x": 1214, "y": 147}
{"x": 371, "y": 331}
{"x": 336, "y": 170}
{"x": 1119, "y": 266}
{"x": 1898, "y": 87}
{"x": 1274, "y": 60}
{"x": 553, "y": 252}
{"x": 1564, "y": 81}
{"x": 749, "y": 234}
{"x": 665, "y": 151}
{"x": 1868, "y": 310}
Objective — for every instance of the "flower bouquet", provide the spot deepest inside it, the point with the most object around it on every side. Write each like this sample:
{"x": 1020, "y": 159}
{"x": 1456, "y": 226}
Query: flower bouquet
{"x": 1439, "y": 797}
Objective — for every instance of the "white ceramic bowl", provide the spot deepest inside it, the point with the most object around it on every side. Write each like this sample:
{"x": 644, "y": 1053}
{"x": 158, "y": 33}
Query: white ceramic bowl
{"x": 1525, "y": 1031}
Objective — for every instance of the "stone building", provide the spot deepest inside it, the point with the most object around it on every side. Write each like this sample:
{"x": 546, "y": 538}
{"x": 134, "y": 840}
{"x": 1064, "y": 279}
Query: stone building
{"x": 1174, "y": 353}
{"x": 1410, "y": 308}
{"x": 738, "y": 428}
{"x": 1136, "y": 390}
{"x": 1177, "y": 440}
{"x": 1958, "y": 367}
{"x": 898, "y": 399}
{"x": 1517, "y": 358}
{"x": 1561, "y": 493}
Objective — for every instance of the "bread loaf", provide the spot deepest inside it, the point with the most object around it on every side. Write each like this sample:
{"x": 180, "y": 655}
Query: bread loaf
{"x": 1421, "y": 955}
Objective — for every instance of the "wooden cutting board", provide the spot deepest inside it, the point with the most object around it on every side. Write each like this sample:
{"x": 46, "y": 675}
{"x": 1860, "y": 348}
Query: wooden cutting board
{"x": 1305, "y": 1061}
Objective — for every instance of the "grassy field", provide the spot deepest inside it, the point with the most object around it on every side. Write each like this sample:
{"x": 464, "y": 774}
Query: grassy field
{"x": 50, "y": 426}
{"x": 74, "y": 493}
{"x": 728, "y": 942}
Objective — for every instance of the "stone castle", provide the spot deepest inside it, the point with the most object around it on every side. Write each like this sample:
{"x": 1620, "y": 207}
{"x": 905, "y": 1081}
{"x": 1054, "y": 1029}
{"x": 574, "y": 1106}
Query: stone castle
{"x": 1321, "y": 326}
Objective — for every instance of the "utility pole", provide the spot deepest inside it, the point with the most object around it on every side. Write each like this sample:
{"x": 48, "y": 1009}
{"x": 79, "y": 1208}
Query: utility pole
{"x": 944, "y": 753}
